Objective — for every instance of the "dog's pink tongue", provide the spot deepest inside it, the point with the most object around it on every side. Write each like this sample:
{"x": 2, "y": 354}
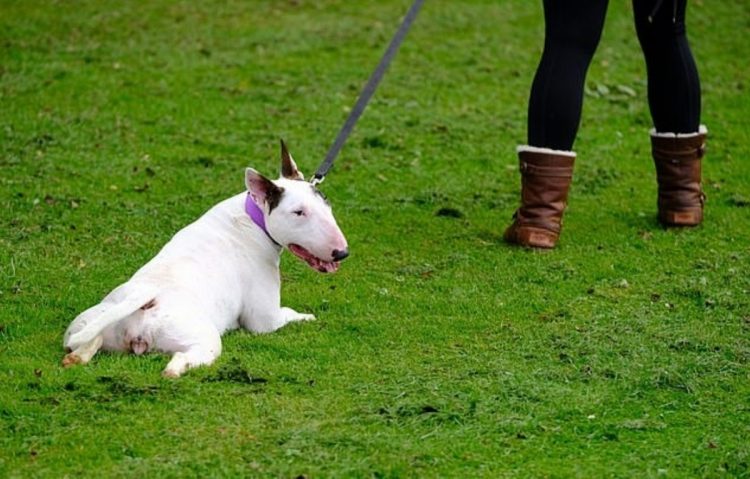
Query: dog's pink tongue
{"x": 314, "y": 262}
{"x": 330, "y": 267}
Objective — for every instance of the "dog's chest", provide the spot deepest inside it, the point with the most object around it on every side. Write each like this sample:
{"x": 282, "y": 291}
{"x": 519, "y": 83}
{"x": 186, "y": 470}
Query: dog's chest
{"x": 220, "y": 264}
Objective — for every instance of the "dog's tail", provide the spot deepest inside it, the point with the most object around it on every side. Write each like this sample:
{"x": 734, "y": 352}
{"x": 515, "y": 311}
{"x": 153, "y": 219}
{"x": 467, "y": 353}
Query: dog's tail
{"x": 121, "y": 303}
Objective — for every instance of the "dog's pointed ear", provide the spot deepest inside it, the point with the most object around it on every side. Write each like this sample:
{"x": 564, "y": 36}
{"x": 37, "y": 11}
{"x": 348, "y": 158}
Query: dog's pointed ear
{"x": 261, "y": 188}
{"x": 288, "y": 166}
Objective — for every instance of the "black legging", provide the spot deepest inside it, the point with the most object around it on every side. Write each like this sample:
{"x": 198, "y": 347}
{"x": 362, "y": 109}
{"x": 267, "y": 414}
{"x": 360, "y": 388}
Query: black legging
{"x": 572, "y": 32}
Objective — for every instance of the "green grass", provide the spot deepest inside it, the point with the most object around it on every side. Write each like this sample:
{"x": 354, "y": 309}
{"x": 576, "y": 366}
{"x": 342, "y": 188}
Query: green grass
{"x": 439, "y": 351}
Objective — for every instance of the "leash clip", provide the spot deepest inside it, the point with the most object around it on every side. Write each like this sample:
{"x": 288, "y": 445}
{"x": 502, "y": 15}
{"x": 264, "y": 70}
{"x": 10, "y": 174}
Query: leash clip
{"x": 316, "y": 180}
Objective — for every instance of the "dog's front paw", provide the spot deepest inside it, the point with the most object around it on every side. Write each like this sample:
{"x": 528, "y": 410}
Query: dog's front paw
{"x": 305, "y": 317}
{"x": 288, "y": 315}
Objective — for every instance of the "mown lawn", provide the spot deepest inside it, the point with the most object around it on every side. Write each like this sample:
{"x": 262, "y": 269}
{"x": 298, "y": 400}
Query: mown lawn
{"x": 439, "y": 351}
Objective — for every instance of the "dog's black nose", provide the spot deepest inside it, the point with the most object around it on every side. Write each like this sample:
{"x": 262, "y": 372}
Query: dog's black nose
{"x": 339, "y": 254}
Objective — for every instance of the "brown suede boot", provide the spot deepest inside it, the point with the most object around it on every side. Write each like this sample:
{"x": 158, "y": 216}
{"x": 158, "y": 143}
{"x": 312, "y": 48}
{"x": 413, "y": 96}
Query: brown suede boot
{"x": 545, "y": 180}
{"x": 678, "y": 172}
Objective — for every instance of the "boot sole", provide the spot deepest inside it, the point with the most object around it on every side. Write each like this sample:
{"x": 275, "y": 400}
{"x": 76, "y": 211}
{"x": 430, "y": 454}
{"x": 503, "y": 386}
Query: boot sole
{"x": 530, "y": 237}
{"x": 683, "y": 218}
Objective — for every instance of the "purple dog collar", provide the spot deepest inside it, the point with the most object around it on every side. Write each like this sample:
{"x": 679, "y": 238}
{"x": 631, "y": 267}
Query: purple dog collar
{"x": 256, "y": 214}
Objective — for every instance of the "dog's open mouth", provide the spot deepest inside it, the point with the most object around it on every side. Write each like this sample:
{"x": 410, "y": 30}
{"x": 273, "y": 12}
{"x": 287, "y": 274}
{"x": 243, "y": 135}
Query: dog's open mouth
{"x": 312, "y": 260}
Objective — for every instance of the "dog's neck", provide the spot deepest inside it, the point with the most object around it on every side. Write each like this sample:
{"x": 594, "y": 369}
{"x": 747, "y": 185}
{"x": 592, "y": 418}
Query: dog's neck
{"x": 256, "y": 214}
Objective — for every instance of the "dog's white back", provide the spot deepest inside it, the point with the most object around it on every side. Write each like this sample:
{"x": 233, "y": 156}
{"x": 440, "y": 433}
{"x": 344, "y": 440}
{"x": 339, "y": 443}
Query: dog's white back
{"x": 219, "y": 273}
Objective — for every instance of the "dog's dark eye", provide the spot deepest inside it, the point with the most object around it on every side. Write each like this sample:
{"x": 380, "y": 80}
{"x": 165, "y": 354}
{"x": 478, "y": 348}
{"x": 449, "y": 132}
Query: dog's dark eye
{"x": 299, "y": 212}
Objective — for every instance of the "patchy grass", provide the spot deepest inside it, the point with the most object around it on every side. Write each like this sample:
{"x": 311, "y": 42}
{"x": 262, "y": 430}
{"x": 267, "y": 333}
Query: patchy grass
{"x": 439, "y": 351}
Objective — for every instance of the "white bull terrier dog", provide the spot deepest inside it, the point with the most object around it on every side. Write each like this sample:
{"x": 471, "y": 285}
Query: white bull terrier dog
{"x": 219, "y": 273}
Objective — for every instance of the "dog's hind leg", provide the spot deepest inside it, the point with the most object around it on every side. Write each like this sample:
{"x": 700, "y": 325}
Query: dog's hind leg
{"x": 84, "y": 353}
{"x": 200, "y": 347}
{"x": 195, "y": 356}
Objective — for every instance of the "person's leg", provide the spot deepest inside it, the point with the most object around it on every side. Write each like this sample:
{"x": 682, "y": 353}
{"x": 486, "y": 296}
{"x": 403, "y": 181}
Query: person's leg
{"x": 572, "y": 32}
{"x": 677, "y": 140}
{"x": 674, "y": 94}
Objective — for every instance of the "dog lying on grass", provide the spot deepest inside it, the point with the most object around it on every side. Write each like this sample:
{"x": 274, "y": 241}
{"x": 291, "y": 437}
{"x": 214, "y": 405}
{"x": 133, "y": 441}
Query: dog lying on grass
{"x": 219, "y": 273}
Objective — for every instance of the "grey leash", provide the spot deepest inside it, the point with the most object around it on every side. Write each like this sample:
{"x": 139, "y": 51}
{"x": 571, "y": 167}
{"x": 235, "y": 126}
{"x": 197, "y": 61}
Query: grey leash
{"x": 366, "y": 94}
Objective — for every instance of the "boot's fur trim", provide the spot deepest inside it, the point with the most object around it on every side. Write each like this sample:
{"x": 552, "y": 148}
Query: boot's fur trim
{"x": 546, "y": 151}
{"x": 702, "y": 130}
